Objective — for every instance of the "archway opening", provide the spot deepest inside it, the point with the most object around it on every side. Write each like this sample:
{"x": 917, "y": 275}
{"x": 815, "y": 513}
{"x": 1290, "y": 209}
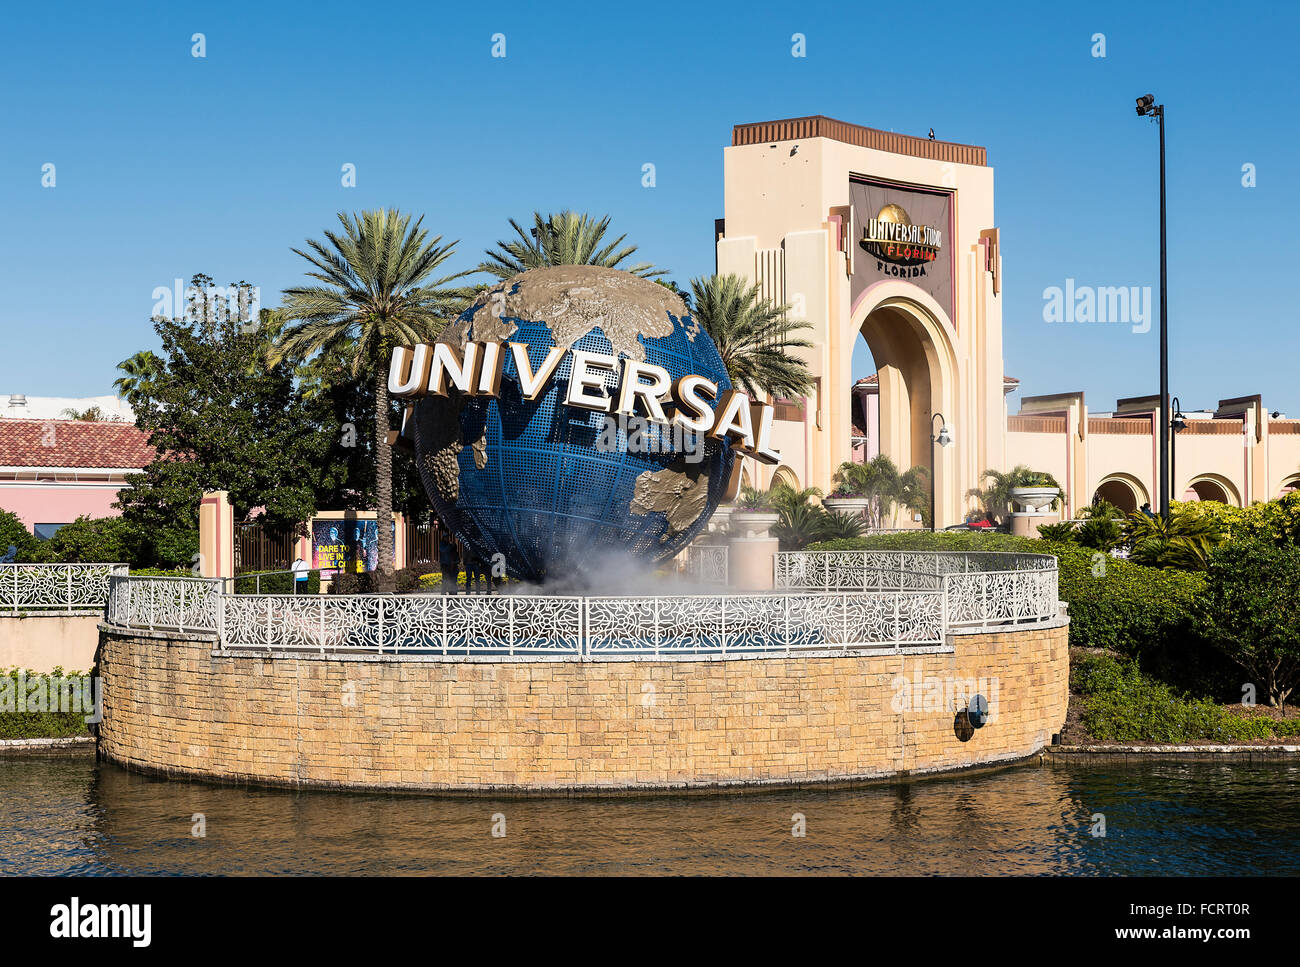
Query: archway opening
{"x": 1118, "y": 492}
{"x": 898, "y": 387}
{"x": 1209, "y": 490}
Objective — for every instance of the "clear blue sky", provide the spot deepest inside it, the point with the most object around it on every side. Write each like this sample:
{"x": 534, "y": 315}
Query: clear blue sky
{"x": 169, "y": 165}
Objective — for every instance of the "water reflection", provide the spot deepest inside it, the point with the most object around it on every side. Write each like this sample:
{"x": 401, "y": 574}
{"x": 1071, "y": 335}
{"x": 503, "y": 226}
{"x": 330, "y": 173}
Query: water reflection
{"x": 71, "y": 815}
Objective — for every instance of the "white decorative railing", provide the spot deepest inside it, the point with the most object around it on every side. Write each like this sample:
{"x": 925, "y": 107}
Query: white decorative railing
{"x": 457, "y": 624}
{"x": 830, "y": 600}
{"x": 55, "y": 588}
{"x": 841, "y": 569}
{"x": 164, "y": 603}
{"x": 980, "y": 599}
{"x": 723, "y": 624}
{"x": 707, "y": 563}
{"x": 979, "y": 587}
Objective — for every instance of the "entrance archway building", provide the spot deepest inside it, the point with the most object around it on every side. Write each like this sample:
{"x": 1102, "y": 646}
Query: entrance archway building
{"x": 867, "y": 233}
{"x": 892, "y": 238}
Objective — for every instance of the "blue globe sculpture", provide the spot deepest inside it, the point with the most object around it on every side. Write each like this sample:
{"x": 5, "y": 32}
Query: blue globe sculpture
{"x": 565, "y": 494}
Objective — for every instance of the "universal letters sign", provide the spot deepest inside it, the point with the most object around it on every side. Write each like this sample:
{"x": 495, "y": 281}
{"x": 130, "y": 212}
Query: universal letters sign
{"x": 642, "y": 389}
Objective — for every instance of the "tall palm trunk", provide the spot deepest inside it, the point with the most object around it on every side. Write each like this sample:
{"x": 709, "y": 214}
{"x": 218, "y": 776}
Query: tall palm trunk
{"x": 383, "y": 483}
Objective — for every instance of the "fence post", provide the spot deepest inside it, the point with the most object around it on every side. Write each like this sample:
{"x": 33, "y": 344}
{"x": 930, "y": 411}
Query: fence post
{"x": 68, "y": 600}
{"x": 381, "y": 624}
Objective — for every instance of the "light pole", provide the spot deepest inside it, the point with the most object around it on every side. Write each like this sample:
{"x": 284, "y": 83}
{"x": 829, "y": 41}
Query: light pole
{"x": 1178, "y": 424}
{"x": 942, "y": 438}
{"x": 1147, "y": 107}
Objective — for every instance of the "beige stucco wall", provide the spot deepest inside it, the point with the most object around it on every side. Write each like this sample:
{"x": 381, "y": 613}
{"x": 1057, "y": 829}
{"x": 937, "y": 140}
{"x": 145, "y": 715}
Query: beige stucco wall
{"x": 172, "y": 706}
{"x": 777, "y": 207}
{"x": 1248, "y": 469}
{"x": 42, "y": 643}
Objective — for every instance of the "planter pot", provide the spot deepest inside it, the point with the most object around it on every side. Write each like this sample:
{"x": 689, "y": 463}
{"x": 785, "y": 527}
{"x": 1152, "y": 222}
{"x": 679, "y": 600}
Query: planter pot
{"x": 753, "y": 524}
{"x": 720, "y": 522}
{"x": 856, "y": 506}
{"x": 1034, "y": 500}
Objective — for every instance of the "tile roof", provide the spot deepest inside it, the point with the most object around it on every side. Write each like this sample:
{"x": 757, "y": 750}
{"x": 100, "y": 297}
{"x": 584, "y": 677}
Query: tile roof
{"x": 73, "y": 443}
{"x": 874, "y": 379}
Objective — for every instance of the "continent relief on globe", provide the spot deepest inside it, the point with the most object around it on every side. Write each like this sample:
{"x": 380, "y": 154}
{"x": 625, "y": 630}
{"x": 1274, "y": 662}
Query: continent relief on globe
{"x": 570, "y": 330}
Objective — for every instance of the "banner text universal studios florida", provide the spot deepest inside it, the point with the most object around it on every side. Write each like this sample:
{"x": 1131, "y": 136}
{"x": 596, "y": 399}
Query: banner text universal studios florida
{"x": 643, "y": 389}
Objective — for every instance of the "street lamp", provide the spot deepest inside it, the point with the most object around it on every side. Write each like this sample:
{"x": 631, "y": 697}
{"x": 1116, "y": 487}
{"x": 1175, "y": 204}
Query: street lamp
{"x": 943, "y": 438}
{"x": 1147, "y": 107}
{"x": 1178, "y": 424}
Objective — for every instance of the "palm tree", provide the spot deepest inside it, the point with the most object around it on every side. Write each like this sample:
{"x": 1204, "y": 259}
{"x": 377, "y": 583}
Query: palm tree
{"x": 92, "y": 414}
{"x": 879, "y": 481}
{"x": 377, "y": 292}
{"x": 914, "y": 492}
{"x": 1180, "y": 541}
{"x": 563, "y": 238}
{"x": 139, "y": 369}
{"x": 753, "y": 336}
{"x": 995, "y": 496}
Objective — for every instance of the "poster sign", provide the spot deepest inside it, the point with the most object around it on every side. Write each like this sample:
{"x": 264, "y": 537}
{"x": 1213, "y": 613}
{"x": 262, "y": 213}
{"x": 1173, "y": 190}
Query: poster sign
{"x": 345, "y": 545}
{"x": 900, "y": 232}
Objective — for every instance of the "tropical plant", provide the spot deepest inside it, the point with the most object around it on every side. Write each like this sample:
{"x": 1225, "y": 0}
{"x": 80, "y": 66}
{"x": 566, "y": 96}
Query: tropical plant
{"x": 753, "y": 499}
{"x": 91, "y": 414}
{"x": 377, "y": 291}
{"x": 753, "y": 336}
{"x": 1180, "y": 541}
{"x": 1101, "y": 533}
{"x": 1062, "y": 532}
{"x": 139, "y": 368}
{"x": 562, "y": 238}
{"x": 914, "y": 492}
{"x": 995, "y": 495}
{"x": 1250, "y": 610}
{"x": 783, "y": 496}
{"x": 840, "y": 526}
{"x": 802, "y": 523}
{"x": 880, "y": 483}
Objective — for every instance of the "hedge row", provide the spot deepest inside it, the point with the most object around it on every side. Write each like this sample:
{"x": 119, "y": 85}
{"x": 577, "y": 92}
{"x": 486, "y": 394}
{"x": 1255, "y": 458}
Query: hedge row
{"x": 1121, "y": 704}
{"x": 39, "y": 720}
{"x": 1139, "y": 612}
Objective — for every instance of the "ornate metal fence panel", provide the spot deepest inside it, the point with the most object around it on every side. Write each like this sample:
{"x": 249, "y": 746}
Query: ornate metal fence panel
{"x": 56, "y": 588}
{"x": 1000, "y": 597}
{"x": 707, "y": 564}
{"x": 164, "y": 603}
{"x": 452, "y": 625}
{"x": 621, "y": 627}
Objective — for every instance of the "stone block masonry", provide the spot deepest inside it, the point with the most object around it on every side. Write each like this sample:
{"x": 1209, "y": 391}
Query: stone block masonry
{"x": 174, "y": 706}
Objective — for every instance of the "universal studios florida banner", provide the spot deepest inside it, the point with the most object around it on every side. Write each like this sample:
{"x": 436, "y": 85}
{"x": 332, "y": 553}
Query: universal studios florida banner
{"x": 901, "y": 232}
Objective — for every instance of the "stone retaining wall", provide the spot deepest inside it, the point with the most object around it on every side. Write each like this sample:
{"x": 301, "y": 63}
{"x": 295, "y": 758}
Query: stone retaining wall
{"x": 173, "y": 706}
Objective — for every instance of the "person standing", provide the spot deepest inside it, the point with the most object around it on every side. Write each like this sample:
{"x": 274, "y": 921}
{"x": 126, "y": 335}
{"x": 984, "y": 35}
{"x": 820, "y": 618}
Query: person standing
{"x": 448, "y": 561}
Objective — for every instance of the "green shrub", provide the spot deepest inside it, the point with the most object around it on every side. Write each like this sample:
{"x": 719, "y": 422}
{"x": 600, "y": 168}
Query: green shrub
{"x": 924, "y": 540}
{"x": 1250, "y": 611}
{"x": 1101, "y": 533}
{"x": 93, "y": 540}
{"x": 1121, "y": 704}
{"x": 1059, "y": 533}
{"x": 1137, "y": 611}
{"x": 32, "y": 724}
{"x": 12, "y": 532}
{"x": 277, "y": 583}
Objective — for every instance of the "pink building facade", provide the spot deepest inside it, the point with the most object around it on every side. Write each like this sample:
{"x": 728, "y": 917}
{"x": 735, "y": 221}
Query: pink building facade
{"x": 54, "y": 471}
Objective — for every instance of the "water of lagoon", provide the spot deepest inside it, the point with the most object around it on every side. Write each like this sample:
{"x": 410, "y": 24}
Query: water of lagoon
{"x": 71, "y": 815}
